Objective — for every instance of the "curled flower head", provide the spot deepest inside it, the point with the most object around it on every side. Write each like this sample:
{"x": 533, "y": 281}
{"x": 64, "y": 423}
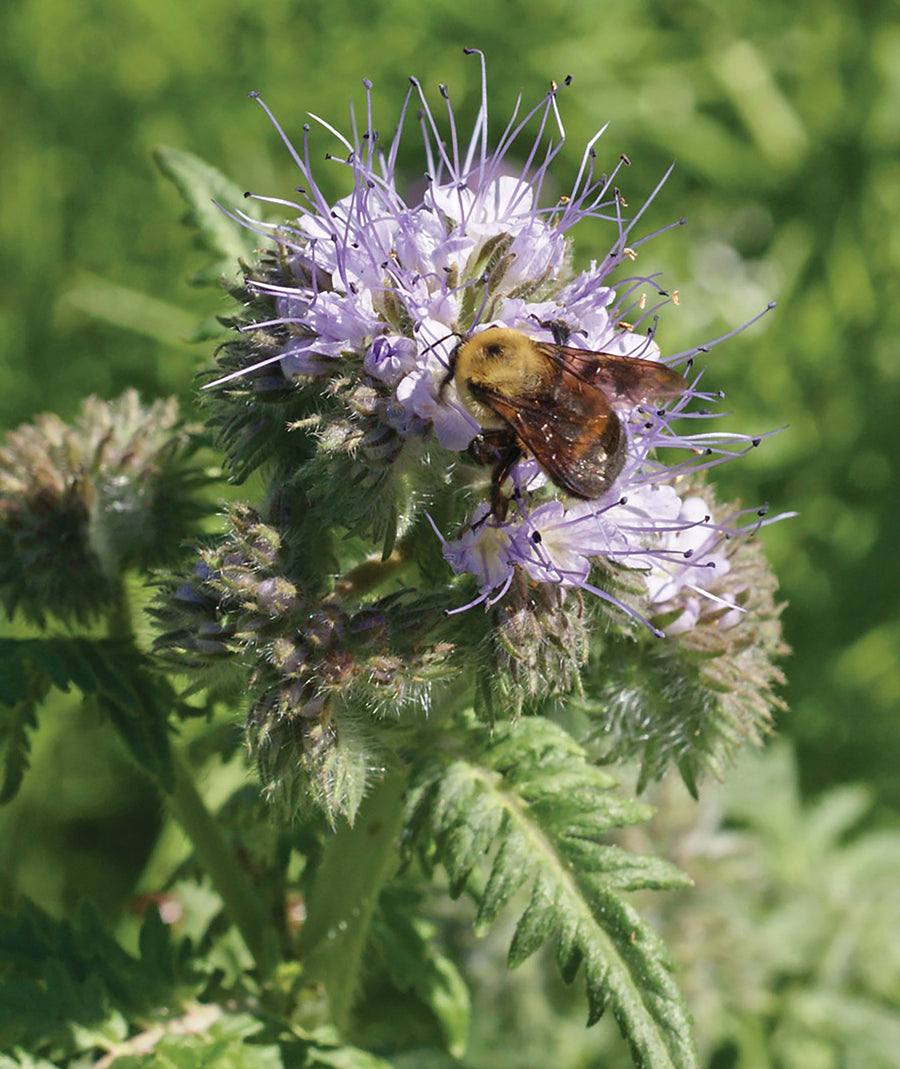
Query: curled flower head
{"x": 355, "y": 325}
{"x": 317, "y": 672}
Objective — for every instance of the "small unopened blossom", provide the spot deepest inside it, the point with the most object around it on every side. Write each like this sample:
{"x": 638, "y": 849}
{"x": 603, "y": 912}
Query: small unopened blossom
{"x": 82, "y": 502}
{"x": 379, "y": 289}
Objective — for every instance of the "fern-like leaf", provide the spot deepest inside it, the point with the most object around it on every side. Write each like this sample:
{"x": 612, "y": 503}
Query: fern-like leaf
{"x": 528, "y": 790}
{"x": 68, "y": 975}
{"x": 203, "y": 189}
{"x": 109, "y": 672}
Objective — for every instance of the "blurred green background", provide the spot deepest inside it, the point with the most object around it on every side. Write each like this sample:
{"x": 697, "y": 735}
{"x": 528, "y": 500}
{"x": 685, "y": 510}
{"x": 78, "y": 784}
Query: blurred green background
{"x": 784, "y": 120}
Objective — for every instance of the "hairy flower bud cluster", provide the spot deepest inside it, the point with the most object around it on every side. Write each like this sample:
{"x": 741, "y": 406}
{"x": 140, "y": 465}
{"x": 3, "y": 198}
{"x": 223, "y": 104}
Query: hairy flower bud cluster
{"x": 81, "y": 502}
{"x": 541, "y": 632}
{"x": 317, "y": 668}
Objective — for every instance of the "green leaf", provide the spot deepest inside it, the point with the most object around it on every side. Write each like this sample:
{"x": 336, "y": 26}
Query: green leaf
{"x": 110, "y": 672}
{"x": 23, "y": 1060}
{"x": 404, "y": 946}
{"x": 129, "y": 309}
{"x": 15, "y": 747}
{"x": 62, "y": 976}
{"x": 528, "y": 790}
{"x": 204, "y": 189}
{"x": 345, "y": 1058}
{"x": 194, "y": 1052}
{"x": 15, "y": 681}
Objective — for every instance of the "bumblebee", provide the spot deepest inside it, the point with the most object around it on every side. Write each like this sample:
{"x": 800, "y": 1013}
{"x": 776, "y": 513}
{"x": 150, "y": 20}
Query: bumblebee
{"x": 553, "y": 402}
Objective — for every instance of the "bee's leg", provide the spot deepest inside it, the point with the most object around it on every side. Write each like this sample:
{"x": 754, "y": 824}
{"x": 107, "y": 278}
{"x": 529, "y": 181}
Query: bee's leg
{"x": 561, "y": 331}
{"x": 499, "y": 500}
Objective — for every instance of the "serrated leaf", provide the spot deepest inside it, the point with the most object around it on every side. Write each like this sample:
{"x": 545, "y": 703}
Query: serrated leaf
{"x": 62, "y": 976}
{"x": 155, "y": 946}
{"x": 15, "y": 746}
{"x": 405, "y": 950}
{"x": 111, "y": 673}
{"x": 201, "y": 185}
{"x": 15, "y": 683}
{"x": 530, "y": 788}
{"x": 509, "y": 872}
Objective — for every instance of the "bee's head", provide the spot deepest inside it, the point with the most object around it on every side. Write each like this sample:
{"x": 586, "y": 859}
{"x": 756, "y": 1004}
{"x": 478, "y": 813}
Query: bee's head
{"x": 492, "y": 352}
{"x": 494, "y": 345}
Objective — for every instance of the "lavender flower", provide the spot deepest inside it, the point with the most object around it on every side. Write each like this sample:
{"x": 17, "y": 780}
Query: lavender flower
{"x": 372, "y": 293}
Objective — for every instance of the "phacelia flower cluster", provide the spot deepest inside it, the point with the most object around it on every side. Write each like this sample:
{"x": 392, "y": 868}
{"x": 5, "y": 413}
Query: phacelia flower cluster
{"x": 371, "y": 295}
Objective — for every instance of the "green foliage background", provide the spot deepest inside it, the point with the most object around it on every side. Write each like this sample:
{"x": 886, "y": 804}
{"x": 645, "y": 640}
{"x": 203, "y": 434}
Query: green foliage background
{"x": 784, "y": 120}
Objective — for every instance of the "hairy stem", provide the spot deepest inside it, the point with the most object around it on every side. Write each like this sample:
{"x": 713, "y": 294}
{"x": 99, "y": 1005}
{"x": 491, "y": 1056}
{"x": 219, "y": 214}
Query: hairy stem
{"x": 218, "y": 860}
{"x": 357, "y": 863}
{"x": 211, "y": 847}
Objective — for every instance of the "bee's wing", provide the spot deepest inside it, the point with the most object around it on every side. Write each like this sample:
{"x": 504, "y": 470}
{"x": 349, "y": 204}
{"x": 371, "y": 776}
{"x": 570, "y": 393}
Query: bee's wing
{"x": 621, "y": 378}
{"x": 570, "y": 428}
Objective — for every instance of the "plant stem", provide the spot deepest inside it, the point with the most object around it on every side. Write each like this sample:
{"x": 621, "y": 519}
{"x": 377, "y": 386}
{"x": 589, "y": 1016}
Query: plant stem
{"x": 211, "y": 847}
{"x": 357, "y": 863}
{"x": 218, "y": 860}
